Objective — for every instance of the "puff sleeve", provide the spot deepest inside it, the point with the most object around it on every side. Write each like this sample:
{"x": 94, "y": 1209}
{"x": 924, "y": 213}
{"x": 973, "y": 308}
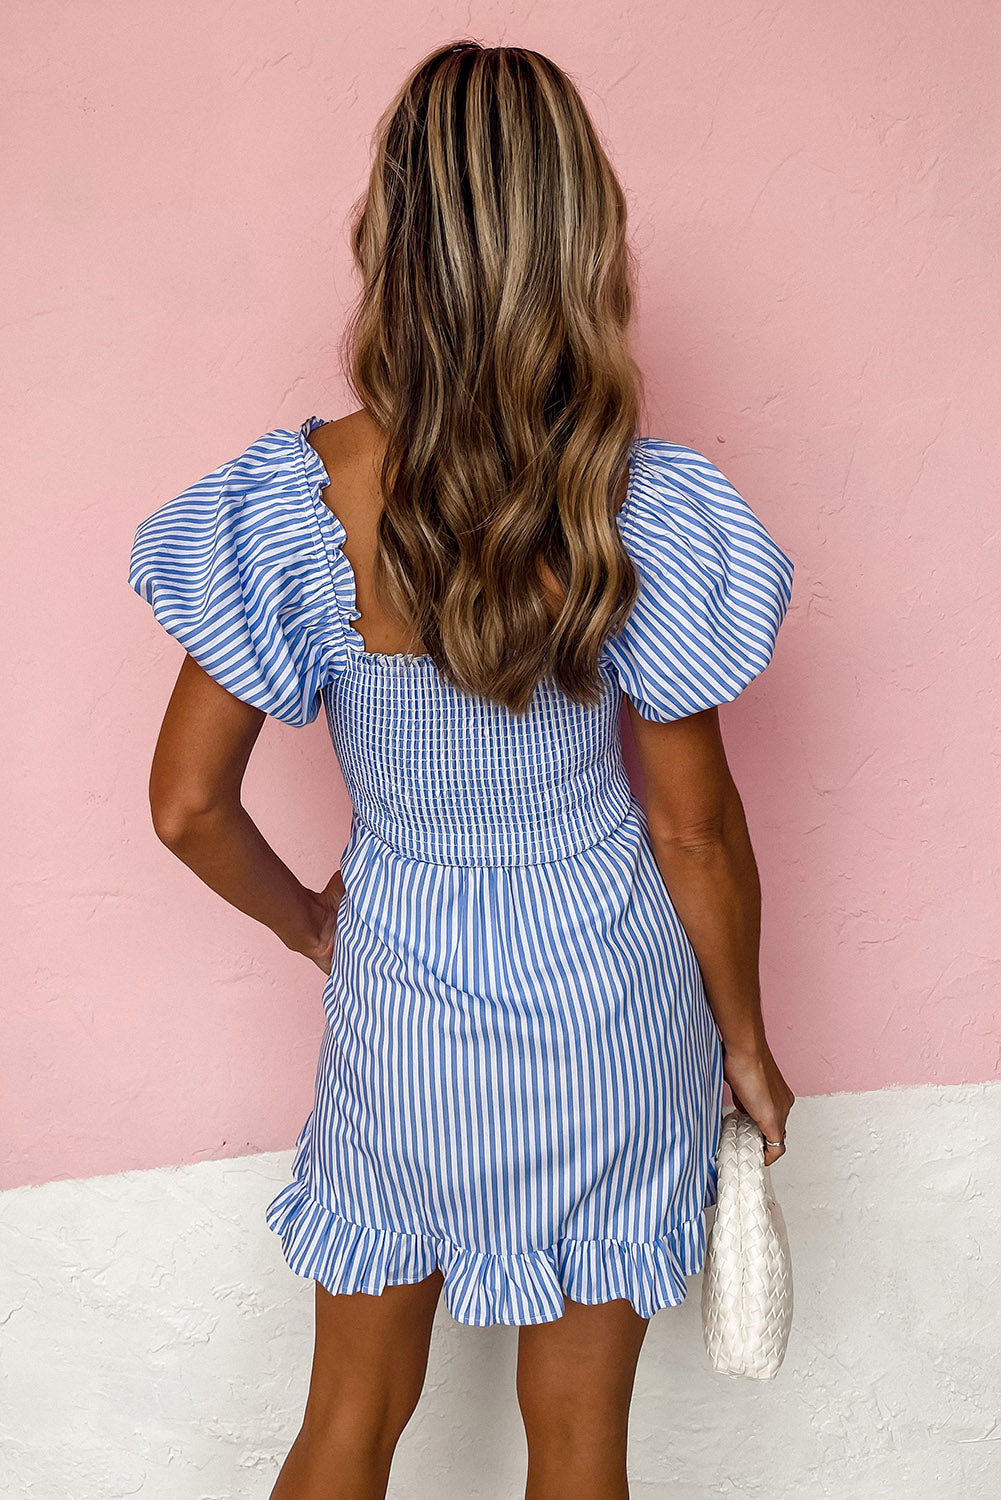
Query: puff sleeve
{"x": 239, "y": 569}
{"x": 714, "y": 586}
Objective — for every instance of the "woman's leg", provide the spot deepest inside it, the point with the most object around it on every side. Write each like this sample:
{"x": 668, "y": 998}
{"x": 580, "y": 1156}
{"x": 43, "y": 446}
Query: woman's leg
{"x": 369, "y": 1361}
{"x": 575, "y": 1384}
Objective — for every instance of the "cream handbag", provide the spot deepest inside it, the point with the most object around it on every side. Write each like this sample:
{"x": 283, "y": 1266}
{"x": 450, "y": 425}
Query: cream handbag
{"x": 747, "y": 1275}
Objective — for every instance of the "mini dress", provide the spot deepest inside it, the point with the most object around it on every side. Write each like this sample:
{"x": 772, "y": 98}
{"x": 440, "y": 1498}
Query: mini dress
{"x": 519, "y": 1078}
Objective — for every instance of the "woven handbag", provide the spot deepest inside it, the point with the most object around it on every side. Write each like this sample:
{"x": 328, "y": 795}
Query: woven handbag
{"x": 747, "y": 1275}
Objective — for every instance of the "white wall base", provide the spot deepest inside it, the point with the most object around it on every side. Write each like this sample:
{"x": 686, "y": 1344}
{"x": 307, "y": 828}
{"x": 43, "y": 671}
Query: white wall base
{"x": 155, "y": 1344}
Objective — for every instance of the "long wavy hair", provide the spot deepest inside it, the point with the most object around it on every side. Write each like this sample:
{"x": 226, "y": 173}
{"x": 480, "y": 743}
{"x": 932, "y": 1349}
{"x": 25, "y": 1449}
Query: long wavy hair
{"x": 489, "y": 346}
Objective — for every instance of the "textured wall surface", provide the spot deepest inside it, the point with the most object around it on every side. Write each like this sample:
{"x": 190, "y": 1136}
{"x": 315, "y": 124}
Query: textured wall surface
{"x": 814, "y": 202}
{"x": 156, "y": 1345}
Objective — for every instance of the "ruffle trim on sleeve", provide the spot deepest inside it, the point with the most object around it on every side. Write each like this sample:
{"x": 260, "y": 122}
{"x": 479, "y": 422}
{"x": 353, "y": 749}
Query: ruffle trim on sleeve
{"x": 331, "y": 536}
{"x": 482, "y": 1288}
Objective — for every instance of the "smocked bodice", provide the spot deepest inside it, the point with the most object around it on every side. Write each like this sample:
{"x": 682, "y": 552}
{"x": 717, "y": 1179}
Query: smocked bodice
{"x": 453, "y": 779}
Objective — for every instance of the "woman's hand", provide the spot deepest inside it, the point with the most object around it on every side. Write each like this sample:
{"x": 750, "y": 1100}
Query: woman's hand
{"x": 759, "y": 1090}
{"x": 327, "y": 901}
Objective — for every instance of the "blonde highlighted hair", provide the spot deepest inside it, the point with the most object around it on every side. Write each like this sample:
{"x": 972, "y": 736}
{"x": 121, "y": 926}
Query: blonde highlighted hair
{"x": 489, "y": 346}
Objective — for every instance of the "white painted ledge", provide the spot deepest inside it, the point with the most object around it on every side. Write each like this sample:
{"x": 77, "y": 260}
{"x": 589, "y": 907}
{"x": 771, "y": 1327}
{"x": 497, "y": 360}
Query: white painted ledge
{"x": 155, "y": 1344}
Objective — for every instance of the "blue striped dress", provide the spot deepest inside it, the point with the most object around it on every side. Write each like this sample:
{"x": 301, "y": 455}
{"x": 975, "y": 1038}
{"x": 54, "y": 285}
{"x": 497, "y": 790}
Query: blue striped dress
{"x": 520, "y": 1078}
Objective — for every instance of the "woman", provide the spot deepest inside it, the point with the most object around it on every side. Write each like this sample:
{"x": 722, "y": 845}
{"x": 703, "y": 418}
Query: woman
{"x": 536, "y": 986}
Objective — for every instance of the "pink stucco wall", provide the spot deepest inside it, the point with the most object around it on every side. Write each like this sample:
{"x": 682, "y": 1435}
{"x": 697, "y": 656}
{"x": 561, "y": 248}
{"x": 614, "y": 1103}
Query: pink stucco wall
{"x": 814, "y": 196}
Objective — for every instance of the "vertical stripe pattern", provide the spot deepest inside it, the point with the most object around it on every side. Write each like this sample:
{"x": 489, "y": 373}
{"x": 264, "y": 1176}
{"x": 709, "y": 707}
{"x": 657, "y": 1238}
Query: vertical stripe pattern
{"x": 520, "y": 1079}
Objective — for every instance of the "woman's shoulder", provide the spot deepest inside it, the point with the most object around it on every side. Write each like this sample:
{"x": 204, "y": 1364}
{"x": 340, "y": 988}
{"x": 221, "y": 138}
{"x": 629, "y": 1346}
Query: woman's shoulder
{"x": 349, "y": 443}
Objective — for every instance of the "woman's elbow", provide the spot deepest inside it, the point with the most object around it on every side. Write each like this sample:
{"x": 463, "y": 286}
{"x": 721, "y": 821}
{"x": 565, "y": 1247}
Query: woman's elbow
{"x": 178, "y": 808}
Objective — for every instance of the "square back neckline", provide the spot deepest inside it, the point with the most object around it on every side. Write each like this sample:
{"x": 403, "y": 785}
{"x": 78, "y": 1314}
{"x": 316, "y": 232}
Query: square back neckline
{"x": 397, "y": 660}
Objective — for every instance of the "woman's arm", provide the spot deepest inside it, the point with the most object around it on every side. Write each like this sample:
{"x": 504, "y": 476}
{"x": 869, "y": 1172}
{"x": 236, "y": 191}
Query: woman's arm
{"x": 703, "y": 850}
{"x": 199, "y": 763}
